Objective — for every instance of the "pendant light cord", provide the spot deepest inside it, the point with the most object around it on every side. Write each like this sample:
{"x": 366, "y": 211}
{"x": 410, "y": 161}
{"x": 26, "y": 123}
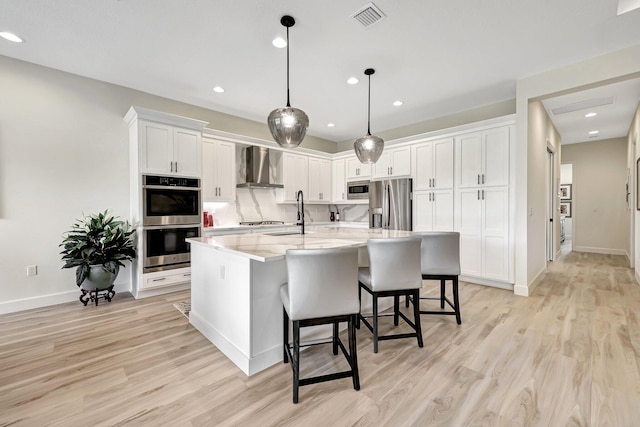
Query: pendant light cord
{"x": 369, "y": 108}
{"x": 288, "y": 101}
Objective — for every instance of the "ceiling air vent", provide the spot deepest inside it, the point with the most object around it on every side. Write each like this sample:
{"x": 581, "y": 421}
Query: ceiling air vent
{"x": 369, "y": 15}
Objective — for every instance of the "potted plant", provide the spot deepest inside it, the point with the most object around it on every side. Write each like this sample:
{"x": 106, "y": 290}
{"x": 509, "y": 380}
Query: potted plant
{"x": 97, "y": 245}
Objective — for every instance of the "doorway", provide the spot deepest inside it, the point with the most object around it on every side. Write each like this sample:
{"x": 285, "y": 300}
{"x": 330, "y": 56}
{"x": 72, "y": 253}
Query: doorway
{"x": 551, "y": 196}
{"x": 566, "y": 221}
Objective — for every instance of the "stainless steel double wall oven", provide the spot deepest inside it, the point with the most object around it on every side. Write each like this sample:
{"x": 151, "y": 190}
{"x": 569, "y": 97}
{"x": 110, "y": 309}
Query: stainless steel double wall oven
{"x": 172, "y": 213}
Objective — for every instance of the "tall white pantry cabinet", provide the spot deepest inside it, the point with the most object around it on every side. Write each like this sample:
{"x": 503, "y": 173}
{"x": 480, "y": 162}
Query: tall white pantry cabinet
{"x": 482, "y": 203}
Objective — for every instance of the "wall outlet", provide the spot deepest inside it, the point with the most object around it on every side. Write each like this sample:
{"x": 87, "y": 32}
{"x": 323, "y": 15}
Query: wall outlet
{"x": 32, "y": 270}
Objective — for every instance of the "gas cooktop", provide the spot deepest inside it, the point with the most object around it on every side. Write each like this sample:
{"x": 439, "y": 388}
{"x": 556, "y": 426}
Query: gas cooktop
{"x": 261, "y": 222}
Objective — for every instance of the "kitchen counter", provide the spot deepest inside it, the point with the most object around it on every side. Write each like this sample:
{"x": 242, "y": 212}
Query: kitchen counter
{"x": 265, "y": 247}
{"x": 235, "y": 288}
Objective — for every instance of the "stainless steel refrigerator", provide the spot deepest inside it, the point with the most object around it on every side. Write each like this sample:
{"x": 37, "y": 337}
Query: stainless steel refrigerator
{"x": 390, "y": 204}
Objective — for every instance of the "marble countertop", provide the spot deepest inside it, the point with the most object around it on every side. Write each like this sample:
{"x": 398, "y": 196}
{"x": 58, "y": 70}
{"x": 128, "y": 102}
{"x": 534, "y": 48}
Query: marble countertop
{"x": 266, "y": 227}
{"x": 264, "y": 247}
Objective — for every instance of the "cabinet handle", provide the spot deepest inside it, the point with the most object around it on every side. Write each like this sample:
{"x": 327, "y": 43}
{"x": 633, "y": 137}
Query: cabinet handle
{"x": 483, "y": 178}
{"x": 434, "y": 182}
{"x": 482, "y": 194}
{"x": 342, "y": 196}
{"x": 478, "y": 194}
{"x": 176, "y": 166}
{"x": 160, "y": 279}
{"x": 478, "y": 179}
{"x": 186, "y": 275}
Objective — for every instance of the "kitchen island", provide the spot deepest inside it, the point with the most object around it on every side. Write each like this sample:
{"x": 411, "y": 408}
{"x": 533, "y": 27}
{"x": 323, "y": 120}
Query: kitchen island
{"x": 235, "y": 288}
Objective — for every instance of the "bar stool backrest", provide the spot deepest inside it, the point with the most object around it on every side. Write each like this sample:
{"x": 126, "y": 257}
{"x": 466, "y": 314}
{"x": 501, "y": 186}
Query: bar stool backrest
{"x": 394, "y": 263}
{"x": 440, "y": 253}
{"x": 322, "y": 282}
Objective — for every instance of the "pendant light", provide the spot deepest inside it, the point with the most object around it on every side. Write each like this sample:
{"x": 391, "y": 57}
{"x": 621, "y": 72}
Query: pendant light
{"x": 369, "y": 147}
{"x": 288, "y": 125}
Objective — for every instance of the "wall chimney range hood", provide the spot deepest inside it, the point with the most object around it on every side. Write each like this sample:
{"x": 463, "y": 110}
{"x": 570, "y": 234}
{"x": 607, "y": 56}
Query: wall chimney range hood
{"x": 257, "y": 169}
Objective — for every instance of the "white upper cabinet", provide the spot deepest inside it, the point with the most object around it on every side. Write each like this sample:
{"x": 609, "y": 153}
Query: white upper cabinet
{"x": 433, "y": 165}
{"x": 394, "y": 162}
{"x": 295, "y": 177}
{"x": 483, "y": 158}
{"x": 319, "y": 180}
{"x": 218, "y": 171}
{"x": 164, "y": 144}
{"x": 339, "y": 181}
{"x": 356, "y": 170}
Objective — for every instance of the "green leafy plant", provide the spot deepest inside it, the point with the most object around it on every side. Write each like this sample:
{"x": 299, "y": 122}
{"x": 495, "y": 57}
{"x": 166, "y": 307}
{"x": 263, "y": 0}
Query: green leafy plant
{"x": 97, "y": 239}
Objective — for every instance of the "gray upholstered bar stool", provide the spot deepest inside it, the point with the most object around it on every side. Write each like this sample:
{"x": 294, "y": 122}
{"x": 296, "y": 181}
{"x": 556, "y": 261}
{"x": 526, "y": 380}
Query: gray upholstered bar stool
{"x": 394, "y": 271}
{"x": 440, "y": 253}
{"x": 322, "y": 288}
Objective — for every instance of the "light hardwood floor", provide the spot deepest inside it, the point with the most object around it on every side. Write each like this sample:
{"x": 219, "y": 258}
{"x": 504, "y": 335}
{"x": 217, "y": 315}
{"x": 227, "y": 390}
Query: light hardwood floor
{"x": 568, "y": 355}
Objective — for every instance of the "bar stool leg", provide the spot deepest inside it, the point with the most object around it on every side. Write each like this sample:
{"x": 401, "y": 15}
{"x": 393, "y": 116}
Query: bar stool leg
{"x": 396, "y": 309}
{"x": 353, "y": 351}
{"x": 296, "y": 359}
{"x": 360, "y": 302}
{"x": 416, "y": 316}
{"x": 335, "y": 338}
{"x": 285, "y": 335}
{"x": 442, "y": 289}
{"x": 375, "y": 322}
{"x": 456, "y": 301}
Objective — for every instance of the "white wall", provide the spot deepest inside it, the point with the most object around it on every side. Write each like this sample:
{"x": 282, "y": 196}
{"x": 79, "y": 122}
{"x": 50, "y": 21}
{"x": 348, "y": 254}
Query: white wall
{"x": 619, "y": 65}
{"x": 601, "y": 219}
{"x": 64, "y": 151}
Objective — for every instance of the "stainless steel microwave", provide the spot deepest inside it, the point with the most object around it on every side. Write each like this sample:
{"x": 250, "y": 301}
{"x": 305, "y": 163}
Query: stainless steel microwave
{"x": 358, "y": 190}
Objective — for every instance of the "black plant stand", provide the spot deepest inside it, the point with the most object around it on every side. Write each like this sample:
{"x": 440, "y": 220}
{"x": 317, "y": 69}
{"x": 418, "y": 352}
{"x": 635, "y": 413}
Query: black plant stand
{"x": 96, "y": 294}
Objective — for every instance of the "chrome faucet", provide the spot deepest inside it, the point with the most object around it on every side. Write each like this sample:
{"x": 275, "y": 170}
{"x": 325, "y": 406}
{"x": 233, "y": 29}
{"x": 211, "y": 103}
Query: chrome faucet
{"x": 300, "y": 205}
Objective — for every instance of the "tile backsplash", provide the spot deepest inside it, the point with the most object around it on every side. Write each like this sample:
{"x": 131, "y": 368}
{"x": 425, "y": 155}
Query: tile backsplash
{"x": 259, "y": 204}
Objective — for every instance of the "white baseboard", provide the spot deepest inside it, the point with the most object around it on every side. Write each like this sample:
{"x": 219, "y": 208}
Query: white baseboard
{"x": 607, "y": 251}
{"x": 637, "y": 275}
{"x": 526, "y": 290}
{"x": 486, "y": 282}
{"x": 40, "y": 301}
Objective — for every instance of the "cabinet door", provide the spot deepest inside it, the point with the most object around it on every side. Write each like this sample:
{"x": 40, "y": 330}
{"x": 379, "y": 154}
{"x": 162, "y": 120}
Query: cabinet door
{"x": 156, "y": 148}
{"x": 325, "y": 180}
{"x": 400, "y": 162}
{"x": 442, "y": 164}
{"x": 422, "y": 211}
{"x": 186, "y": 152}
{"x": 495, "y": 233}
{"x": 442, "y": 202}
{"x": 209, "y": 182}
{"x": 423, "y": 166}
{"x": 496, "y": 156}
{"x": 314, "y": 181}
{"x": 469, "y": 224}
{"x": 381, "y": 168}
{"x": 339, "y": 181}
{"x": 295, "y": 176}
{"x": 469, "y": 159}
{"x": 357, "y": 170}
{"x": 226, "y": 168}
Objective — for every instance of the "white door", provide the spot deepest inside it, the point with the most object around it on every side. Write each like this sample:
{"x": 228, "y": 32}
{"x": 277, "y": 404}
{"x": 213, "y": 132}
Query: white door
{"x": 442, "y": 202}
{"x": 186, "y": 149}
{"x": 156, "y": 148}
{"x": 226, "y": 165}
{"x": 339, "y": 181}
{"x": 495, "y": 233}
{"x": 469, "y": 224}
{"x": 469, "y": 159}
{"x": 442, "y": 164}
{"x": 495, "y": 170}
{"x": 422, "y": 211}
{"x": 423, "y": 166}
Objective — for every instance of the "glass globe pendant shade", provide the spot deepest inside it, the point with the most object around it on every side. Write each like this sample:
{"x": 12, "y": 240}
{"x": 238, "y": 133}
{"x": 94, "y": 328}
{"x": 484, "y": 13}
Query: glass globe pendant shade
{"x": 288, "y": 126}
{"x": 368, "y": 148}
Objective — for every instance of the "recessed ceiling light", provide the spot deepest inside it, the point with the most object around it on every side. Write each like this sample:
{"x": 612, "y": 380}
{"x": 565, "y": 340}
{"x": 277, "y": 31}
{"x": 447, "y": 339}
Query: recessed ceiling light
{"x": 330, "y": 125}
{"x": 218, "y": 89}
{"x": 352, "y": 80}
{"x": 588, "y": 115}
{"x": 397, "y": 103}
{"x": 594, "y": 132}
{"x": 11, "y": 37}
{"x": 279, "y": 42}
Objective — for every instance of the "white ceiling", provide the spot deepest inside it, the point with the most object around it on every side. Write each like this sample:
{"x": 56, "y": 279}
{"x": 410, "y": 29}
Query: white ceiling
{"x": 613, "y": 118}
{"x": 438, "y": 56}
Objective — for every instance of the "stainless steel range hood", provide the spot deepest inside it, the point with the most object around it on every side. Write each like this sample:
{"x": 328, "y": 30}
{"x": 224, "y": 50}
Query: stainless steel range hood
{"x": 257, "y": 169}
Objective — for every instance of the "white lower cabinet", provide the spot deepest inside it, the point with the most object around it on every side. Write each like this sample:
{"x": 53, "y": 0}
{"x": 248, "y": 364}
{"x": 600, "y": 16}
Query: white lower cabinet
{"x": 433, "y": 210}
{"x": 482, "y": 218}
{"x": 160, "y": 279}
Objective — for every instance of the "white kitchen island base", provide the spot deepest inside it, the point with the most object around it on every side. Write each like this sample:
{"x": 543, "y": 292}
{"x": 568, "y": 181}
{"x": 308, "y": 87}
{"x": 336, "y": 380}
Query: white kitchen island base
{"x": 235, "y": 290}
